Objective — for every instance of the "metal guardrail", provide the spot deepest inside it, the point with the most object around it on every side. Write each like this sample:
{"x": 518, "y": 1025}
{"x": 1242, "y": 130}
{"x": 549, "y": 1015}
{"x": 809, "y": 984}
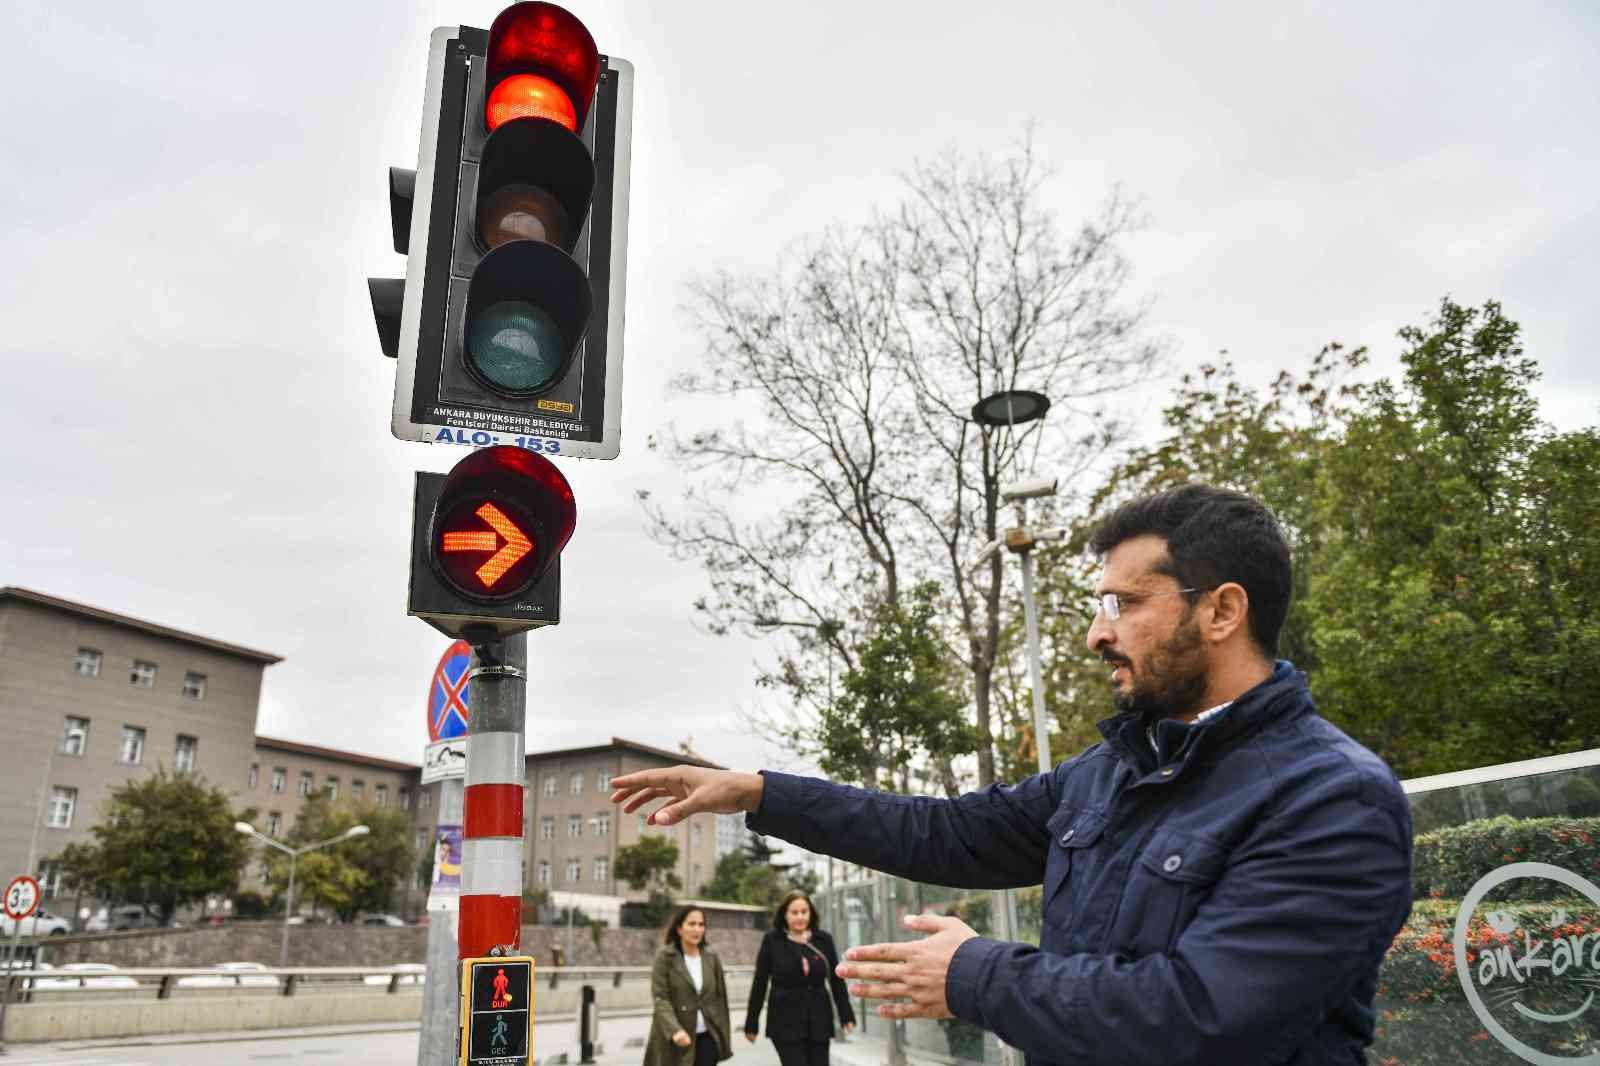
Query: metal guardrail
{"x": 23, "y": 984}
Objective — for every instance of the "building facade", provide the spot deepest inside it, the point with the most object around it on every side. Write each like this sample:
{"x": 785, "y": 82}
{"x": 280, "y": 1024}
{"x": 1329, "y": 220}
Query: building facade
{"x": 92, "y": 699}
{"x": 573, "y": 831}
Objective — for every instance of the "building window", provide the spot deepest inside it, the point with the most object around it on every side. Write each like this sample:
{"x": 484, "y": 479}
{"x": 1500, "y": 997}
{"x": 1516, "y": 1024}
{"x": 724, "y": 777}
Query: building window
{"x": 274, "y": 824}
{"x": 144, "y": 674}
{"x": 694, "y": 832}
{"x": 380, "y": 795}
{"x": 405, "y": 799}
{"x": 332, "y": 788}
{"x": 356, "y": 789}
{"x": 49, "y": 878}
{"x": 424, "y": 799}
{"x": 577, "y": 782}
{"x": 74, "y": 736}
{"x": 280, "y": 779}
{"x": 547, "y": 827}
{"x": 574, "y": 869}
{"x": 422, "y": 839}
{"x": 62, "y": 803}
{"x": 183, "y": 755}
{"x": 643, "y": 825}
{"x": 132, "y": 753}
{"x": 194, "y": 685}
{"x": 574, "y": 825}
{"x": 550, "y": 784}
{"x": 694, "y": 878}
{"x": 602, "y": 824}
{"x": 304, "y": 791}
{"x": 87, "y": 663}
{"x": 602, "y": 781}
{"x": 544, "y": 872}
{"x": 255, "y": 776}
{"x": 602, "y": 870}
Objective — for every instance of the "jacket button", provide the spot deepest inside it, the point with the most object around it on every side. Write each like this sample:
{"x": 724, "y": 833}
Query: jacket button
{"x": 1067, "y": 835}
{"x": 1172, "y": 863}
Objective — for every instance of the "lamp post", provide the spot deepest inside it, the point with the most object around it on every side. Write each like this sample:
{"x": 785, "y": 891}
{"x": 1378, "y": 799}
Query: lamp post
{"x": 294, "y": 854}
{"x": 38, "y": 808}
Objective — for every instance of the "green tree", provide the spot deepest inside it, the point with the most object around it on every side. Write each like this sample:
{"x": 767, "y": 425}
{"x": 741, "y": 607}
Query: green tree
{"x": 1446, "y": 545}
{"x": 351, "y": 877}
{"x": 165, "y": 840}
{"x": 900, "y": 704}
{"x": 725, "y": 878}
{"x": 1453, "y": 611}
{"x": 651, "y": 865}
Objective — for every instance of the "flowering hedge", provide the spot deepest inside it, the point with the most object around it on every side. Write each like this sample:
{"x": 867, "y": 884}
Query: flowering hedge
{"x": 1447, "y": 862}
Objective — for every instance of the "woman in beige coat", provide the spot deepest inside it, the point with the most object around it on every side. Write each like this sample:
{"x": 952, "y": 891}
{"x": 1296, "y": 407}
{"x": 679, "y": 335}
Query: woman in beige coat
{"x": 690, "y": 992}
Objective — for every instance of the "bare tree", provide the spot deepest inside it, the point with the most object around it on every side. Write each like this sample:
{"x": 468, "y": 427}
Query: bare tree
{"x": 866, "y": 474}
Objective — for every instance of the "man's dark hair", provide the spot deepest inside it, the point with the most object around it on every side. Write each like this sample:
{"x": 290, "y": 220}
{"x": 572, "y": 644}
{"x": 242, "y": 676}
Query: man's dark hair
{"x": 1213, "y": 536}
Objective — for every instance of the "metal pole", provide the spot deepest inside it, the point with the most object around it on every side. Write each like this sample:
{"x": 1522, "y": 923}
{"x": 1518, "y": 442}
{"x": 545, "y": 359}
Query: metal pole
{"x": 895, "y": 1050}
{"x": 288, "y": 911}
{"x": 436, "y": 1043}
{"x": 5, "y": 989}
{"x": 492, "y": 844}
{"x": 1030, "y": 613}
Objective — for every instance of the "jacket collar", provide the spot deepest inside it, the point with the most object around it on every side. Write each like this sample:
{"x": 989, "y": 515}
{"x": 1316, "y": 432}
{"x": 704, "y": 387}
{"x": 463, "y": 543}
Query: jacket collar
{"x": 1283, "y": 694}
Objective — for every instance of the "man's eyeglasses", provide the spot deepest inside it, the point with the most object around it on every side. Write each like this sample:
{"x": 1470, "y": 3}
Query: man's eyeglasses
{"x": 1111, "y": 602}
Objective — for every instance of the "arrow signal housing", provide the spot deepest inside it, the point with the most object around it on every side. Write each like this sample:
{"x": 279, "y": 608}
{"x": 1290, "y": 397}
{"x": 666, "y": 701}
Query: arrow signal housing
{"x": 474, "y": 619}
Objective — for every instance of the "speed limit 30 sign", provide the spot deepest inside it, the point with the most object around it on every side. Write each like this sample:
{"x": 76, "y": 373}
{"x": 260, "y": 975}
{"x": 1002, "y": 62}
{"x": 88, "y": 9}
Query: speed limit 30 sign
{"x": 22, "y": 897}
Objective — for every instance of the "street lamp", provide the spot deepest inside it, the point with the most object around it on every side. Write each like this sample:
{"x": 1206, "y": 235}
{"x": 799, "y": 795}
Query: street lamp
{"x": 38, "y": 808}
{"x": 294, "y": 853}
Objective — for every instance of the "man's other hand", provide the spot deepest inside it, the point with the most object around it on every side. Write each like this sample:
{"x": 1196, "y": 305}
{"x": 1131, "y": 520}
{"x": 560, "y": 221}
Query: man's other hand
{"x": 913, "y": 971}
{"x": 692, "y": 789}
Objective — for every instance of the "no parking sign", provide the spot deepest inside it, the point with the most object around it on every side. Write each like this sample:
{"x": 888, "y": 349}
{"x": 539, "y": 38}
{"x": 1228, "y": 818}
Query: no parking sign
{"x": 447, "y": 696}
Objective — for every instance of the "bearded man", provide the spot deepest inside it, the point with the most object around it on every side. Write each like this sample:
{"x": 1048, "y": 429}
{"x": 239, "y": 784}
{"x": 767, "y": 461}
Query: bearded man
{"x": 1222, "y": 873}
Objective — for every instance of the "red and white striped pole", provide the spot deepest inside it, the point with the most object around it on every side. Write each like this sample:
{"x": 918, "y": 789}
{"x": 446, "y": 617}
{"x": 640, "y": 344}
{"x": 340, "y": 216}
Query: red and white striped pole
{"x": 491, "y": 832}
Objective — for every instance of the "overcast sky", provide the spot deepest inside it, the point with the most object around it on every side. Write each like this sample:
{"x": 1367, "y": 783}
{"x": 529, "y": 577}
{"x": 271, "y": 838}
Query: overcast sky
{"x": 194, "y": 411}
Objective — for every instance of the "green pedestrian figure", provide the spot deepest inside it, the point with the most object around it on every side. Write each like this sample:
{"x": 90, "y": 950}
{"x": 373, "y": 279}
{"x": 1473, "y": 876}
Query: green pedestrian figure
{"x": 497, "y": 1038}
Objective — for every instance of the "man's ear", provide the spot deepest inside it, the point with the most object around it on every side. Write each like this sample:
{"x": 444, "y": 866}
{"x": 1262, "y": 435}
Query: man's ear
{"x": 1230, "y": 608}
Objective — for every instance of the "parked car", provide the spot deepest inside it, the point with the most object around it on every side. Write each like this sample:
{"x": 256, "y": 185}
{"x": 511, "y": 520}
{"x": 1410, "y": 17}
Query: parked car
{"x": 127, "y": 916}
{"x": 413, "y": 974}
{"x": 72, "y": 975}
{"x": 40, "y": 923}
{"x": 246, "y": 974}
{"x": 380, "y": 919}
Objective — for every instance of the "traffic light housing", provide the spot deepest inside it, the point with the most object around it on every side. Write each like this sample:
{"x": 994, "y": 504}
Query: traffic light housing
{"x": 486, "y": 544}
{"x": 508, "y": 329}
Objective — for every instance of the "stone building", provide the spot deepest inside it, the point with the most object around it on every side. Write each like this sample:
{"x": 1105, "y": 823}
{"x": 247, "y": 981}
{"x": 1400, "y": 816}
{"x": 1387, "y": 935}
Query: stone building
{"x": 91, "y": 699}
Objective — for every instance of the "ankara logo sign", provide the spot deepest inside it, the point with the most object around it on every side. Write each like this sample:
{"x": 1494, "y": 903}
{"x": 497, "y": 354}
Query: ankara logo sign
{"x": 486, "y": 542}
{"x": 507, "y": 327}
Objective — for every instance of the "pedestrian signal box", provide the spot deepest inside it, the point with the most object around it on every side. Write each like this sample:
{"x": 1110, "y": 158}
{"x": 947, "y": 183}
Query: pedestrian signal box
{"x": 497, "y": 1011}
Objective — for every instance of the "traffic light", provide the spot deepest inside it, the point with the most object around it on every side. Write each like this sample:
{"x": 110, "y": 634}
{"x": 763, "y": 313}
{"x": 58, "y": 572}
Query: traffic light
{"x": 486, "y": 544}
{"x": 508, "y": 325}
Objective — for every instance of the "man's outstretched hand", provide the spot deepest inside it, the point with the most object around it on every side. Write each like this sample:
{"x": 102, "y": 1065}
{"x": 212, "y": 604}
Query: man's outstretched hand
{"x": 912, "y": 972}
{"x": 692, "y": 789}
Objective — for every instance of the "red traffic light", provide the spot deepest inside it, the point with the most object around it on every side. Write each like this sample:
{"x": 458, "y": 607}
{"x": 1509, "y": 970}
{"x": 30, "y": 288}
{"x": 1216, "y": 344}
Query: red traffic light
{"x": 542, "y": 63}
{"x": 502, "y": 518}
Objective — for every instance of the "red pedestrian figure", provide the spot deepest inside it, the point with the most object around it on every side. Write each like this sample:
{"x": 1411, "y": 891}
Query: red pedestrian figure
{"x": 502, "y": 998}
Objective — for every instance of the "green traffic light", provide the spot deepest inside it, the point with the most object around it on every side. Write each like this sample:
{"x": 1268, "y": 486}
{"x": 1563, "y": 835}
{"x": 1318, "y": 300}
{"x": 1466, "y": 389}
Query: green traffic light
{"x": 515, "y": 345}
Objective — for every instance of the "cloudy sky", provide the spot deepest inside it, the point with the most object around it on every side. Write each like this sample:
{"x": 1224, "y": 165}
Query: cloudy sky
{"x": 195, "y": 412}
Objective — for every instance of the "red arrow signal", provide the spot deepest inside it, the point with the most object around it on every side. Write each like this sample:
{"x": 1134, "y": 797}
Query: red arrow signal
{"x": 516, "y": 543}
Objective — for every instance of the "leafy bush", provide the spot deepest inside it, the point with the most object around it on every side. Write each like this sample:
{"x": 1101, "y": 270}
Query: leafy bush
{"x": 1448, "y": 862}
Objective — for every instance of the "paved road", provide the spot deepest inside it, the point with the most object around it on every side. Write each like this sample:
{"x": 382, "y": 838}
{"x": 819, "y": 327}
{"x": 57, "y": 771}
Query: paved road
{"x": 621, "y": 1040}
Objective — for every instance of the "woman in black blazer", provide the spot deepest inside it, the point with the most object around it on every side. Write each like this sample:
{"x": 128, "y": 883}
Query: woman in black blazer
{"x": 799, "y": 960}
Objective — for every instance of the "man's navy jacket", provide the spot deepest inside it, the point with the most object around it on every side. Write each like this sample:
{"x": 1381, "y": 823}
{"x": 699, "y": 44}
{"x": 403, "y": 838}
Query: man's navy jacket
{"x": 1229, "y": 905}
